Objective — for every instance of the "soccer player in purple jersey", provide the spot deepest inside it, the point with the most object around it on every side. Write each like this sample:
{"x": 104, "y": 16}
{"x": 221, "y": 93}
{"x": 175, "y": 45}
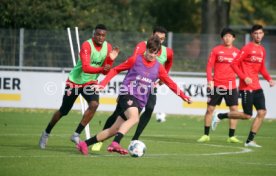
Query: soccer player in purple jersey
{"x": 143, "y": 71}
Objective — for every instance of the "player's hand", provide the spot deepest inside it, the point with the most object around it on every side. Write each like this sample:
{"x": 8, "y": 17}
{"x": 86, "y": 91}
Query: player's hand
{"x": 114, "y": 53}
{"x": 271, "y": 83}
{"x": 210, "y": 84}
{"x": 248, "y": 80}
{"x": 160, "y": 83}
{"x": 107, "y": 67}
{"x": 188, "y": 100}
{"x": 97, "y": 87}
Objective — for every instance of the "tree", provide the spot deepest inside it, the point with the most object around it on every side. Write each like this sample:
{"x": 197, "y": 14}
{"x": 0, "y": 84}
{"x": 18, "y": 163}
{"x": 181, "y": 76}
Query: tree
{"x": 177, "y": 15}
{"x": 248, "y": 12}
{"x": 215, "y": 15}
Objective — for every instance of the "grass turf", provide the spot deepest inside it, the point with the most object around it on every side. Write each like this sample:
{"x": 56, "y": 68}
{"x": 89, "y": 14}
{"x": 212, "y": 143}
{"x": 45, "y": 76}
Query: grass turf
{"x": 171, "y": 148}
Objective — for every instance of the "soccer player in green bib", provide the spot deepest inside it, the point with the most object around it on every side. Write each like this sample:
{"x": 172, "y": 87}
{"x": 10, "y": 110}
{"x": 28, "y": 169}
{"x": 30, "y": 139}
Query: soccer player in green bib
{"x": 96, "y": 57}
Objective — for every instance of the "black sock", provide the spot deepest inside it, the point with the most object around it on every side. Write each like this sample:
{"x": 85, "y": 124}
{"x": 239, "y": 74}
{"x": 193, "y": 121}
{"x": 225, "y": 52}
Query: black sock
{"x": 91, "y": 141}
{"x": 79, "y": 129}
{"x": 222, "y": 116}
{"x": 144, "y": 120}
{"x": 118, "y": 137}
{"x": 206, "y": 130}
{"x": 231, "y": 132}
{"x": 250, "y": 137}
{"x": 49, "y": 128}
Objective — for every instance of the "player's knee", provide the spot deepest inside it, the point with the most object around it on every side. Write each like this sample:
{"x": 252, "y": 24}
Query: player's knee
{"x": 261, "y": 113}
{"x": 93, "y": 105}
{"x": 209, "y": 111}
{"x": 63, "y": 111}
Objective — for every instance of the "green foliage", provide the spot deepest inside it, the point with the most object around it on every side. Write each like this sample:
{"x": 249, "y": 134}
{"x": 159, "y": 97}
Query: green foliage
{"x": 248, "y": 12}
{"x": 126, "y": 15}
{"x": 118, "y": 15}
{"x": 177, "y": 15}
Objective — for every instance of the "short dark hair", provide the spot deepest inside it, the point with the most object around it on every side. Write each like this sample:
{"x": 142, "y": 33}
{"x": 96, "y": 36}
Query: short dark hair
{"x": 101, "y": 26}
{"x": 154, "y": 43}
{"x": 160, "y": 29}
{"x": 227, "y": 30}
{"x": 256, "y": 27}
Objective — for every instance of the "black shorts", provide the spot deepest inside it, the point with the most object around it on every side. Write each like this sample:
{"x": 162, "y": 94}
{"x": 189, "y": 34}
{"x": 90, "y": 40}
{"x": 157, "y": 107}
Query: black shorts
{"x": 251, "y": 98}
{"x": 216, "y": 95}
{"x": 125, "y": 102}
{"x": 71, "y": 94}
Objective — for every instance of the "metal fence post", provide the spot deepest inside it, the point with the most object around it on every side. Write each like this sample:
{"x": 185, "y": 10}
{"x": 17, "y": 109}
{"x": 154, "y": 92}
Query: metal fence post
{"x": 21, "y": 48}
{"x": 170, "y": 39}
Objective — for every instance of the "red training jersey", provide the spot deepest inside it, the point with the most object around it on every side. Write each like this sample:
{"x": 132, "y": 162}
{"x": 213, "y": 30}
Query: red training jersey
{"x": 249, "y": 63}
{"x": 163, "y": 75}
{"x": 140, "y": 49}
{"x": 220, "y": 60}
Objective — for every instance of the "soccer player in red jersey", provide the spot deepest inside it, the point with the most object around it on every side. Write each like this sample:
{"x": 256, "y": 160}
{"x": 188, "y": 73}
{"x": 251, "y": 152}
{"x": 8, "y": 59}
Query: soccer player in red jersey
{"x": 96, "y": 56}
{"x": 165, "y": 57}
{"x": 143, "y": 71}
{"x": 221, "y": 84}
{"x": 248, "y": 64}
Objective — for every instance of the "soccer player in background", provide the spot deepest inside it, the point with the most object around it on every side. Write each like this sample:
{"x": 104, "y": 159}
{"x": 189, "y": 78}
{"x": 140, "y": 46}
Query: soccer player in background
{"x": 165, "y": 57}
{"x": 248, "y": 64}
{"x": 143, "y": 71}
{"x": 96, "y": 56}
{"x": 221, "y": 84}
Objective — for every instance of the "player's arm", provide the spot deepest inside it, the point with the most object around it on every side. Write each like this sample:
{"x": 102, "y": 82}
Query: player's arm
{"x": 164, "y": 77}
{"x": 114, "y": 71}
{"x": 263, "y": 69}
{"x": 265, "y": 73}
{"x": 209, "y": 69}
{"x": 169, "y": 62}
{"x": 85, "y": 54}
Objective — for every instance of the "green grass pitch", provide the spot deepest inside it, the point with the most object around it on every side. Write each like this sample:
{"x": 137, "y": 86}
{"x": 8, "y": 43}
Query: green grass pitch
{"x": 171, "y": 148}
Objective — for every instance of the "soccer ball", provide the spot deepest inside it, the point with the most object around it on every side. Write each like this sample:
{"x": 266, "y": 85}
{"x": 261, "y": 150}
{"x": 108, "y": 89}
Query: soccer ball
{"x": 136, "y": 148}
{"x": 160, "y": 117}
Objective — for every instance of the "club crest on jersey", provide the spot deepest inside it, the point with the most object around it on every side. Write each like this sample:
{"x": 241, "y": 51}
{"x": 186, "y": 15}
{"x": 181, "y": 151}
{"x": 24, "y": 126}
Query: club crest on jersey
{"x": 234, "y": 54}
{"x": 129, "y": 102}
{"x": 68, "y": 92}
{"x": 256, "y": 59}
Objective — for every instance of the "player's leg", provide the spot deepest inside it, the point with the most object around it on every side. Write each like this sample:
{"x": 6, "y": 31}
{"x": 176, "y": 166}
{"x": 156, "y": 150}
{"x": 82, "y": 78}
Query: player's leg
{"x": 69, "y": 97}
{"x": 213, "y": 99}
{"x": 247, "y": 102}
{"x": 132, "y": 116}
{"x": 207, "y": 123}
{"x": 231, "y": 99}
{"x": 232, "y": 127}
{"x": 259, "y": 103}
{"x": 111, "y": 119}
{"x": 130, "y": 111}
{"x": 100, "y": 137}
{"x": 92, "y": 99}
{"x": 109, "y": 122}
{"x": 145, "y": 117}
